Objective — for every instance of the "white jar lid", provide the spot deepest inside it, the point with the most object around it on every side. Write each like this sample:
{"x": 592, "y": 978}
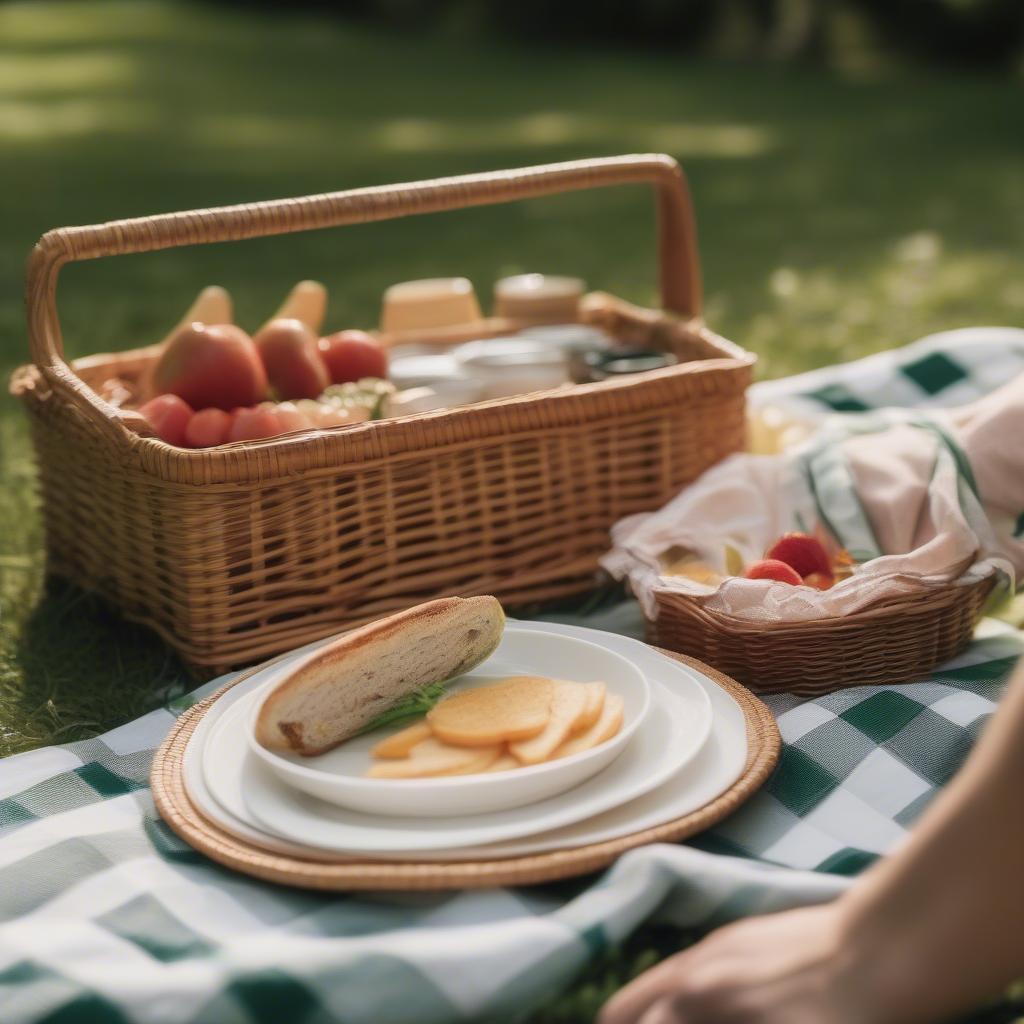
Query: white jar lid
{"x": 538, "y": 286}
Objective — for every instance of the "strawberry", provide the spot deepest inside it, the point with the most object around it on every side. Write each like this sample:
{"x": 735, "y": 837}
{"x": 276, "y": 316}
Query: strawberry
{"x": 773, "y": 569}
{"x": 805, "y": 554}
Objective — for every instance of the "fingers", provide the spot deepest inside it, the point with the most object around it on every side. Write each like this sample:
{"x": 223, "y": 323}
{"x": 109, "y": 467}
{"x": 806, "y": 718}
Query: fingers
{"x": 661, "y": 1013}
{"x": 656, "y": 985}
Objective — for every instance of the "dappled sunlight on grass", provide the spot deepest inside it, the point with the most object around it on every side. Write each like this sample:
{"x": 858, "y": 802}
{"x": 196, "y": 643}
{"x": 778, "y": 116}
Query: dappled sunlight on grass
{"x": 723, "y": 141}
{"x": 451, "y": 136}
{"x": 44, "y": 74}
{"x": 31, "y": 23}
{"x": 251, "y": 131}
{"x": 548, "y": 128}
{"x": 916, "y": 280}
{"x": 26, "y": 121}
{"x": 561, "y": 128}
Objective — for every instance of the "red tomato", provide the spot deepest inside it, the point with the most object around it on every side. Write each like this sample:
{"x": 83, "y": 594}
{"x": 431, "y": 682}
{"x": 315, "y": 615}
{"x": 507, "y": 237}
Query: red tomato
{"x": 253, "y": 423}
{"x": 805, "y": 554}
{"x": 207, "y": 428}
{"x": 352, "y": 355}
{"x": 169, "y": 416}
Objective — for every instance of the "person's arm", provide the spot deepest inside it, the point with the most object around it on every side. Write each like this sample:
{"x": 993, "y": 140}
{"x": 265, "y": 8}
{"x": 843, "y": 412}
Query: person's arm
{"x": 932, "y": 930}
{"x": 954, "y": 893}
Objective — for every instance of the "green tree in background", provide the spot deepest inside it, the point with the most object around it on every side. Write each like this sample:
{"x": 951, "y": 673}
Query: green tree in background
{"x": 987, "y": 34}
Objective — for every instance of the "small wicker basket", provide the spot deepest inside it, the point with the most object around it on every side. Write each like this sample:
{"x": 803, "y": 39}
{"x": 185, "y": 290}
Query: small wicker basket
{"x": 894, "y": 641}
{"x": 236, "y": 553}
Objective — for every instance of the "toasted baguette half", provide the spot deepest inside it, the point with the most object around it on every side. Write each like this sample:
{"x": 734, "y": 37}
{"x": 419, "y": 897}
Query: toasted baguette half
{"x": 343, "y": 687}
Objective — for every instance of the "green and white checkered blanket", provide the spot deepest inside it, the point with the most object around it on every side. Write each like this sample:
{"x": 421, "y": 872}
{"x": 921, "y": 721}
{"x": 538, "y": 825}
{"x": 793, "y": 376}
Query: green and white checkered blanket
{"x": 105, "y": 916}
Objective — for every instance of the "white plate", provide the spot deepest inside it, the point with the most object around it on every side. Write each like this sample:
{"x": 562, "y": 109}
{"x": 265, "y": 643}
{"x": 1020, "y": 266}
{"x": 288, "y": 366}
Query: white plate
{"x": 203, "y": 799}
{"x": 715, "y": 768}
{"x": 339, "y": 776}
{"x": 659, "y": 749}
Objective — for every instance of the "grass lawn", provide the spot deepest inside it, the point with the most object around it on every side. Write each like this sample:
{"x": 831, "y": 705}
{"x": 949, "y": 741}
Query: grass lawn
{"x": 839, "y": 215}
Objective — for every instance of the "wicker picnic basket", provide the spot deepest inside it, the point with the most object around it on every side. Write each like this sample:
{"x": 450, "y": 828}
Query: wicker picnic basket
{"x": 239, "y": 552}
{"x": 895, "y": 641}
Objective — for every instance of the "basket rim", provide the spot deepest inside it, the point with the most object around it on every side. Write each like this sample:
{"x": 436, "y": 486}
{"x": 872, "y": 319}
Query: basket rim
{"x": 940, "y": 594}
{"x": 361, "y": 444}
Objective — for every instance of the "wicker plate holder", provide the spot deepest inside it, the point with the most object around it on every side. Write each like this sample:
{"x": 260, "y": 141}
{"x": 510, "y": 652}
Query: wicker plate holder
{"x": 173, "y": 804}
{"x": 236, "y": 553}
{"x": 895, "y": 641}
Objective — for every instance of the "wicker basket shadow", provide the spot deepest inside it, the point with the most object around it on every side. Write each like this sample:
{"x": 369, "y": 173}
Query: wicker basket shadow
{"x": 896, "y": 641}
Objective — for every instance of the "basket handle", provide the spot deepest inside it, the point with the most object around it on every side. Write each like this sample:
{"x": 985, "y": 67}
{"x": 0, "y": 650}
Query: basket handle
{"x": 679, "y": 269}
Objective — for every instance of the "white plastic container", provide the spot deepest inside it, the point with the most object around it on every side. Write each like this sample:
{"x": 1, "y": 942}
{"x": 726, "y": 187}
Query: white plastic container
{"x": 512, "y": 366}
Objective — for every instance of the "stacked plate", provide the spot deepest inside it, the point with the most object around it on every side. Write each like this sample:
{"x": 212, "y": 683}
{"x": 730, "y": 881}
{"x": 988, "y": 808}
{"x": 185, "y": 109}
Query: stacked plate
{"x": 682, "y": 743}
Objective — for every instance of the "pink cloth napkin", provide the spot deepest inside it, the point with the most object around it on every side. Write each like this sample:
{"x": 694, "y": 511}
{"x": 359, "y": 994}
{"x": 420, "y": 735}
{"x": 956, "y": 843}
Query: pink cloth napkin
{"x": 916, "y": 510}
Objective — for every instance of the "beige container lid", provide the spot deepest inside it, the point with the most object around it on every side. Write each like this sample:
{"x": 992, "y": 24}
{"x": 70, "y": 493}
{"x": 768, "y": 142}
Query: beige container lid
{"x": 431, "y": 302}
{"x": 538, "y": 297}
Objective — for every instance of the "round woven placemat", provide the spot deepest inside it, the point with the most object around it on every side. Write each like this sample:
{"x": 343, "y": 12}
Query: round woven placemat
{"x": 173, "y": 804}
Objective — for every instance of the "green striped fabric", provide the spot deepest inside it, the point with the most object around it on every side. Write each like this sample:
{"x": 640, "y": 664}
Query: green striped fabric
{"x": 107, "y": 918}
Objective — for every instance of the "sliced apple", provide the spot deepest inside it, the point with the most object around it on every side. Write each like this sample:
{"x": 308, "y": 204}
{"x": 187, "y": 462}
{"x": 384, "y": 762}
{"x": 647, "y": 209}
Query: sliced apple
{"x": 433, "y": 757}
{"x": 592, "y": 708}
{"x": 399, "y": 744}
{"x": 603, "y": 729}
{"x": 517, "y": 708}
{"x": 505, "y": 763}
{"x": 568, "y": 702}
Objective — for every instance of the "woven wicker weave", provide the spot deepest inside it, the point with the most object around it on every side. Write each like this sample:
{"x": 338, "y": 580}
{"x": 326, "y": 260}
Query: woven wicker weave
{"x": 174, "y": 806}
{"x": 896, "y": 641}
{"x": 238, "y": 552}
